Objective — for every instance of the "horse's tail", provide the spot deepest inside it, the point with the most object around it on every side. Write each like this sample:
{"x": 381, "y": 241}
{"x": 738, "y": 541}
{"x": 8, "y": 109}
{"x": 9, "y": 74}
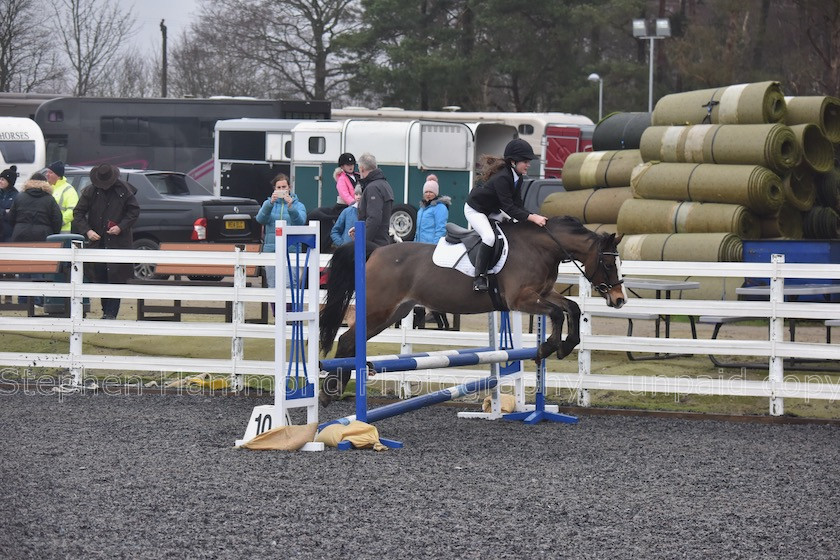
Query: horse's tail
{"x": 341, "y": 284}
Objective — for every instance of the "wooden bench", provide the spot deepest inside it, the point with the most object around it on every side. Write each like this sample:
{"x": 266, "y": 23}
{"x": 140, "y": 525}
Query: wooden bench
{"x": 182, "y": 274}
{"x": 11, "y": 269}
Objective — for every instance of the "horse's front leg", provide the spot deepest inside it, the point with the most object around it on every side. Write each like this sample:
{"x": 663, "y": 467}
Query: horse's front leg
{"x": 560, "y": 309}
{"x": 557, "y": 308}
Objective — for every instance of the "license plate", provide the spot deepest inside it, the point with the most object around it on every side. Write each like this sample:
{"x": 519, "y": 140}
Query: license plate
{"x": 235, "y": 224}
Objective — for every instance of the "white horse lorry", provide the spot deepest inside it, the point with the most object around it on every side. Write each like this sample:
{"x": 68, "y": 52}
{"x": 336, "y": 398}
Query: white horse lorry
{"x": 22, "y": 145}
{"x": 406, "y": 151}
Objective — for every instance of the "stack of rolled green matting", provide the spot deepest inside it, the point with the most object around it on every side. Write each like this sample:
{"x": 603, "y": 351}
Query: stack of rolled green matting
{"x": 827, "y": 186}
{"x": 589, "y": 206}
{"x": 666, "y": 216}
{"x": 602, "y": 228}
{"x": 620, "y": 131}
{"x": 821, "y": 223}
{"x": 786, "y": 222}
{"x": 824, "y": 111}
{"x": 817, "y": 151}
{"x": 798, "y": 188}
{"x": 587, "y": 170}
{"x": 753, "y": 186}
{"x": 700, "y": 247}
{"x": 770, "y": 145}
{"x": 756, "y": 103}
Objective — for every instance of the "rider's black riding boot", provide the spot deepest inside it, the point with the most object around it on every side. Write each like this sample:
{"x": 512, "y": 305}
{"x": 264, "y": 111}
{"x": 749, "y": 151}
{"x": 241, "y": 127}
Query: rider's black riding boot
{"x": 482, "y": 263}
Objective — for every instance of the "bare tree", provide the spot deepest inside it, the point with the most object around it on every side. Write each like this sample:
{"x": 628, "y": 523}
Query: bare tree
{"x": 26, "y": 61}
{"x": 291, "y": 41}
{"x": 93, "y": 37}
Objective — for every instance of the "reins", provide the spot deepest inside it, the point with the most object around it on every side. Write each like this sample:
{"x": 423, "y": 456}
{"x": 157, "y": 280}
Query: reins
{"x": 602, "y": 287}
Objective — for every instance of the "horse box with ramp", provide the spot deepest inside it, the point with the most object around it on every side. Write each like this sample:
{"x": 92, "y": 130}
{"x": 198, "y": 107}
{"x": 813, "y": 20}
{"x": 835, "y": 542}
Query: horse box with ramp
{"x": 22, "y": 145}
{"x": 406, "y": 151}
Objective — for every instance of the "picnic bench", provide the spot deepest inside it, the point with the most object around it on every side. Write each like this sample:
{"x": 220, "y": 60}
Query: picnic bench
{"x": 192, "y": 274}
{"x": 12, "y": 269}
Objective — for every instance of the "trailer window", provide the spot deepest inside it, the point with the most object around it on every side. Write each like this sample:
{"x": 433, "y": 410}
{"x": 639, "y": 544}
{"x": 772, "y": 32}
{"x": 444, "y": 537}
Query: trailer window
{"x": 526, "y": 129}
{"x": 18, "y": 152}
{"x": 242, "y": 145}
{"x": 317, "y": 145}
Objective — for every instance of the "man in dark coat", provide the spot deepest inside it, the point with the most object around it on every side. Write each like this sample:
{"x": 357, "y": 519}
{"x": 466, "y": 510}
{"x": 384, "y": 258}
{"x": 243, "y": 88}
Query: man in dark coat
{"x": 377, "y": 202}
{"x": 105, "y": 215}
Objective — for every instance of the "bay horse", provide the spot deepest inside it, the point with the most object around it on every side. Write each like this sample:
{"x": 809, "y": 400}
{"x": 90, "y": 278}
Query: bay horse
{"x": 402, "y": 275}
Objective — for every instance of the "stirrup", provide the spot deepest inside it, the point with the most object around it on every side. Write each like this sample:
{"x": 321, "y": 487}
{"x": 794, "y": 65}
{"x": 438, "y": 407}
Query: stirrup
{"x": 480, "y": 284}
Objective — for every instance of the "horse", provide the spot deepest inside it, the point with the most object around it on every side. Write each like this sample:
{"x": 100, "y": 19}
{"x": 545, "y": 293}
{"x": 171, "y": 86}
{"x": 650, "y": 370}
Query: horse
{"x": 402, "y": 275}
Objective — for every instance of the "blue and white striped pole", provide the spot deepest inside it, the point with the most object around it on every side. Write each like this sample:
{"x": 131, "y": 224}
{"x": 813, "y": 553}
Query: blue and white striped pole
{"x": 361, "y": 322}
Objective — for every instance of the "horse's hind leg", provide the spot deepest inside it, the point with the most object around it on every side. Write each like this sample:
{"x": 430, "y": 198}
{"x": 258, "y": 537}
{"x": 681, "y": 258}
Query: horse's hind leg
{"x": 377, "y": 321}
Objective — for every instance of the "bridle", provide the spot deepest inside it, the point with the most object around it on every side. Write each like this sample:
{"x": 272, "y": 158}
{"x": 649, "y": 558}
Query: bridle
{"x": 603, "y": 287}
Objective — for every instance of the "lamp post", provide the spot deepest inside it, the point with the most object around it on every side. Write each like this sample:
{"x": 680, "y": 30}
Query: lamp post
{"x": 662, "y": 29}
{"x": 596, "y": 78}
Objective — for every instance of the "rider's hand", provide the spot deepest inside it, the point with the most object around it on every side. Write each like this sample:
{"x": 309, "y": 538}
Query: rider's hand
{"x": 537, "y": 219}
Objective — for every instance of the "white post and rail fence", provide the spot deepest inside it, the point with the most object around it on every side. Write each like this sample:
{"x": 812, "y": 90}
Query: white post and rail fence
{"x": 775, "y": 350}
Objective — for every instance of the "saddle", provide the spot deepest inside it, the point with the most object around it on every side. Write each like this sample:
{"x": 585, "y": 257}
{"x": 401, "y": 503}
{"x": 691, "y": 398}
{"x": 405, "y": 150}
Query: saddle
{"x": 456, "y": 234}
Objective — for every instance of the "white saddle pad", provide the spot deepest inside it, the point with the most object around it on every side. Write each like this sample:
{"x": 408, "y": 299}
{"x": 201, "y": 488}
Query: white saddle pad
{"x": 455, "y": 256}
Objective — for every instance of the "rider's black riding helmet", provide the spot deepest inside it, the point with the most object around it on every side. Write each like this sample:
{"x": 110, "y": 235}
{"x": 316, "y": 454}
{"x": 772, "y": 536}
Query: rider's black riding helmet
{"x": 519, "y": 150}
{"x": 346, "y": 159}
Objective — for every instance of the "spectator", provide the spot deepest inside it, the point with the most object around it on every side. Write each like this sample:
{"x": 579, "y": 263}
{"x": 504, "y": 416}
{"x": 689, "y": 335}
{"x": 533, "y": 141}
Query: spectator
{"x": 283, "y": 204}
{"x": 105, "y": 215}
{"x": 340, "y": 232}
{"x": 433, "y": 214}
{"x": 376, "y": 203}
{"x": 8, "y": 192}
{"x": 63, "y": 192}
{"x": 431, "y": 226}
{"x": 34, "y": 214}
{"x": 346, "y": 180}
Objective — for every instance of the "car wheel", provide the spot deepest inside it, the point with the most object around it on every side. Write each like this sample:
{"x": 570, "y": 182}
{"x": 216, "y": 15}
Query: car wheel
{"x": 146, "y": 271}
{"x": 404, "y": 221}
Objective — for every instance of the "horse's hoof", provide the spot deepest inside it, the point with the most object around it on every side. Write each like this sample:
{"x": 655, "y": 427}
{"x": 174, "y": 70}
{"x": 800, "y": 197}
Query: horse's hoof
{"x": 324, "y": 399}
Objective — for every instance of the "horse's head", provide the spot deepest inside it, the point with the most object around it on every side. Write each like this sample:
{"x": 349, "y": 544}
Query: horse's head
{"x": 603, "y": 269}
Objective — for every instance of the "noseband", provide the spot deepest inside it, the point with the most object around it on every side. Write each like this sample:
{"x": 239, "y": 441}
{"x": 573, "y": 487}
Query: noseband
{"x": 603, "y": 287}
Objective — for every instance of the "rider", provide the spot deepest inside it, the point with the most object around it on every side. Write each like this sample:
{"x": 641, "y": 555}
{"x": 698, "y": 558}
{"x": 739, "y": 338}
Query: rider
{"x": 499, "y": 193}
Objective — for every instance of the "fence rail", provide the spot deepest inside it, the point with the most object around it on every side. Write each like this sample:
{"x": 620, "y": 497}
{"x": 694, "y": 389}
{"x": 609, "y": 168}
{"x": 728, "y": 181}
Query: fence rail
{"x": 774, "y": 350}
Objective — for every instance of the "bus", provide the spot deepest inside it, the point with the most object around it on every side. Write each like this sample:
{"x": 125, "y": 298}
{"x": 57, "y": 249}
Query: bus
{"x": 171, "y": 134}
{"x": 553, "y": 136}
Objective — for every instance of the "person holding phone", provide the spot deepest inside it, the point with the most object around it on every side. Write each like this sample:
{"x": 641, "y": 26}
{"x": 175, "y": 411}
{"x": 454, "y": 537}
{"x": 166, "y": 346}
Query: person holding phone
{"x": 282, "y": 204}
{"x": 105, "y": 214}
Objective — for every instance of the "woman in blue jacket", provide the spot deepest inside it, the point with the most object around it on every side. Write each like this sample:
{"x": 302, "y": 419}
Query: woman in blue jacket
{"x": 433, "y": 214}
{"x": 283, "y": 204}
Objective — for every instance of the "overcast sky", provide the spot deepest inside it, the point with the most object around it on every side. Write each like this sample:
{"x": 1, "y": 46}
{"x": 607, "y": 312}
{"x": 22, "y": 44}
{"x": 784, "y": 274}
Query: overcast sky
{"x": 148, "y": 13}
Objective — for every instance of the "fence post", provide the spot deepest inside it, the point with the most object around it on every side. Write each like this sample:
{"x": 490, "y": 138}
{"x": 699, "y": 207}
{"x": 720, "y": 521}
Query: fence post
{"x": 77, "y": 312}
{"x": 585, "y": 330}
{"x": 237, "y": 352}
{"x": 777, "y": 364}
